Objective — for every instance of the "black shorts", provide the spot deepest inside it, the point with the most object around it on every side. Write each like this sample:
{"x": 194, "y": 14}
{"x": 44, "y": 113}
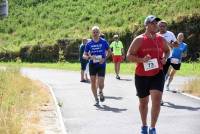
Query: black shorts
{"x": 166, "y": 66}
{"x": 144, "y": 84}
{"x": 83, "y": 65}
{"x": 168, "y": 63}
{"x": 176, "y": 66}
{"x": 97, "y": 69}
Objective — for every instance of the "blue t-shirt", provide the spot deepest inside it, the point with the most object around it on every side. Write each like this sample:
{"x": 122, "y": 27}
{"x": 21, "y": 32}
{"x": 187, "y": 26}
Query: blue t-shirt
{"x": 177, "y": 52}
{"x": 97, "y": 49}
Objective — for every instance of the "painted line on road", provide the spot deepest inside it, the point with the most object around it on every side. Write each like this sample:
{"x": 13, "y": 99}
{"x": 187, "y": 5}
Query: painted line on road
{"x": 58, "y": 111}
{"x": 191, "y": 96}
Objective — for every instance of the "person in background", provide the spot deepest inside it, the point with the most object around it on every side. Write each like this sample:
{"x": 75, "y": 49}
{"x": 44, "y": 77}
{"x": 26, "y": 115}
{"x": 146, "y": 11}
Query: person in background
{"x": 149, "y": 51}
{"x": 176, "y": 58}
{"x": 170, "y": 38}
{"x": 102, "y": 35}
{"x": 97, "y": 51}
{"x": 117, "y": 54}
{"x": 84, "y": 62}
{"x": 172, "y": 42}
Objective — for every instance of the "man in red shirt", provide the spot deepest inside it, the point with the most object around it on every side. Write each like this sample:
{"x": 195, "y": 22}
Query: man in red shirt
{"x": 150, "y": 51}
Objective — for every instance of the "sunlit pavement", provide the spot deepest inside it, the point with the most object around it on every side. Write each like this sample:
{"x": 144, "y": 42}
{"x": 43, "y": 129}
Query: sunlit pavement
{"x": 119, "y": 113}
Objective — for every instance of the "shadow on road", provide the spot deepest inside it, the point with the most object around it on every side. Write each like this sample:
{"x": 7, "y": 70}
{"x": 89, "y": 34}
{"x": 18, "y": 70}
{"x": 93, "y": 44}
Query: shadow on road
{"x": 123, "y": 79}
{"x": 112, "y": 109}
{"x": 171, "y": 105}
{"x": 114, "y": 98}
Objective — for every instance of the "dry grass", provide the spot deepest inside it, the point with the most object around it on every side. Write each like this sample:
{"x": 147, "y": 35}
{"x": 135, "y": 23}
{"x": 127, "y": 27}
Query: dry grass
{"x": 193, "y": 87}
{"x": 20, "y": 99}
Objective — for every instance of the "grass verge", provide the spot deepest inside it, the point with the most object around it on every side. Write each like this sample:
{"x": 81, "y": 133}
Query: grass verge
{"x": 187, "y": 69}
{"x": 192, "y": 87}
{"x": 20, "y": 99}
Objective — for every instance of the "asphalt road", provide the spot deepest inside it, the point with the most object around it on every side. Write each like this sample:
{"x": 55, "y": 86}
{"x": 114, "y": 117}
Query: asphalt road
{"x": 119, "y": 113}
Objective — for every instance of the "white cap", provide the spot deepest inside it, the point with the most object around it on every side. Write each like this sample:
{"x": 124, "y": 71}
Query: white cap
{"x": 115, "y": 36}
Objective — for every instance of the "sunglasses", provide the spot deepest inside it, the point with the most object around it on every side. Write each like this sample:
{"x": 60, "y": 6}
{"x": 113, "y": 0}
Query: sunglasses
{"x": 154, "y": 22}
{"x": 95, "y": 32}
{"x": 162, "y": 26}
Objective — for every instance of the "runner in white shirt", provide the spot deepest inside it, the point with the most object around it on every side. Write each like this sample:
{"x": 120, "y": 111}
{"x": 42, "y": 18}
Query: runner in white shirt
{"x": 170, "y": 37}
{"x": 172, "y": 42}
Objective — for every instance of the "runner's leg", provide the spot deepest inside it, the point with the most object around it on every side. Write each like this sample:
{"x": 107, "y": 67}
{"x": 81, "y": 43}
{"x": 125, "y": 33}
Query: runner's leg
{"x": 93, "y": 85}
{"x": 155, "y": 110}
{"x": 143, "y": 107}
{"x": 171, "y": 76}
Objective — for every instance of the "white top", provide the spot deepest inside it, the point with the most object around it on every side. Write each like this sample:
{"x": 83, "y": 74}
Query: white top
{"x": 169, "y": 36}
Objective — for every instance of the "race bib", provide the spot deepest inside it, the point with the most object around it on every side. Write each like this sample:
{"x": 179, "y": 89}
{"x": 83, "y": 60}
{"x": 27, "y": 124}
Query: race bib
{"x": 175, "y": 60}
{"x": 97, "y": 58}
{"x": 150, "y": 64}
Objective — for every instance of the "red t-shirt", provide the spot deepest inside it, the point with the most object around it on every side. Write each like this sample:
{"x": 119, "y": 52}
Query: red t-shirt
{"x": 154, "y": 48}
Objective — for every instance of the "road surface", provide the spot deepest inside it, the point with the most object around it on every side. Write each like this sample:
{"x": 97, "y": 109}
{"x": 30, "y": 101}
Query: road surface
{"x": 119, "y": 113}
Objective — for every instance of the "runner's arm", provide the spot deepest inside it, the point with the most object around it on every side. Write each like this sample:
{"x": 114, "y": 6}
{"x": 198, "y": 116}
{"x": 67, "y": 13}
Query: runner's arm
{"x": 87, "y": 55}
{"x": 132, "y": 51}
{"x": 166, "y": 50}
{"x": 108, "y": 53}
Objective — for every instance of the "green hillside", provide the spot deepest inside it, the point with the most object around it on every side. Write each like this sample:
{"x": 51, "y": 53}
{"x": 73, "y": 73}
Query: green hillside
{"x": 45, "y": 21}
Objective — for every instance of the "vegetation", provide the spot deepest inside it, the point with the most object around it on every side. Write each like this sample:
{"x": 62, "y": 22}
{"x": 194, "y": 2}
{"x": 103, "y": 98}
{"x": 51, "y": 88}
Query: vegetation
{"x": 187, "y": 69}
{"x": 192, "y": 87}
{"x": 32, "y": 22}
{"x": 19, "y": 98}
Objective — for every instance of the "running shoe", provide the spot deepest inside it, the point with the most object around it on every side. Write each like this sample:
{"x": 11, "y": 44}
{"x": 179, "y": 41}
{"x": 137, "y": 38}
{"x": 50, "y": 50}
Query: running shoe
{"x": 152, "y": 131}
{"x": 162, "y": 103}
{"x": 83, "y": 80}
{"x": 102, "y": 98}
{"x": 96, "y": 102}
{"x": 144, "y": 130}
{"x": 117, "y": 77}
{"x": 167, "y": 87}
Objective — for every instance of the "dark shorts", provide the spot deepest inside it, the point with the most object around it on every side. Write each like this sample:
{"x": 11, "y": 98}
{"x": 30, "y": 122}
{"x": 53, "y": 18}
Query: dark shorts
{"x": 97, "y": 69}
{"x": 144, "y": 84}
{"x": 168, "y": 63}
{"x": 176, "y": 66}
{"x": 83, "y": 65}
{"x": 166, "y": 66}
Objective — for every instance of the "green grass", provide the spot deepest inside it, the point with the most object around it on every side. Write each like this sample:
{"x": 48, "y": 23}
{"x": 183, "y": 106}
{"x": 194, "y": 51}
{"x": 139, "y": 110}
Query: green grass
{"x": 187, "y": 69}
{"x": 45, "y": 21}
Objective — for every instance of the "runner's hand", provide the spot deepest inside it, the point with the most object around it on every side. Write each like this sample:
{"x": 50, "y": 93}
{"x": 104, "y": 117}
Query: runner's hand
{"x": 174, "y": 43}
{"x": 146, "y": 58}
{"x": 123, "y": 57}
{"x": 91, "y": 57}
{"x": 163, "y": 60}
{"x": 102, "y": 60}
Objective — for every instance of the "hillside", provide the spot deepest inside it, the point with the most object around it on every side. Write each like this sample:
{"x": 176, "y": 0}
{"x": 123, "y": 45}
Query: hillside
{"x": 33, "y": 22}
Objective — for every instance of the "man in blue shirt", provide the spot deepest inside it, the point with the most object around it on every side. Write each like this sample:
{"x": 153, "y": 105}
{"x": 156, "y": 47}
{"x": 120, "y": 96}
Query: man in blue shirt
{"x": 97, "y": 51}
{"x": 176, "y": 58}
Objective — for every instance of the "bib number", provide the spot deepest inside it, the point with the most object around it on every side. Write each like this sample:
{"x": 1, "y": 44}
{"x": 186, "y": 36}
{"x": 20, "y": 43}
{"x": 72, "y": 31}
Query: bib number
{"x": 174, "y": 60}
{"x": 150, "y": 64}
{"x": 97, "y": 58}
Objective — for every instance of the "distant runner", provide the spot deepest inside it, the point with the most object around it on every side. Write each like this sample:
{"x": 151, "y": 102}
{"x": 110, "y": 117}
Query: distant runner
{"x": 176, "y": 58}
{"x": 97, "y": 51}
{"x": 117, "y": 54}
{"x": 84, "y": 62}
{"x": 172, "y": 42}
